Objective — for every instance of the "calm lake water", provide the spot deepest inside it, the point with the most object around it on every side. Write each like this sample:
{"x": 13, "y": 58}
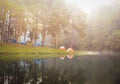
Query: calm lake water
{"x": 92, "y": 69}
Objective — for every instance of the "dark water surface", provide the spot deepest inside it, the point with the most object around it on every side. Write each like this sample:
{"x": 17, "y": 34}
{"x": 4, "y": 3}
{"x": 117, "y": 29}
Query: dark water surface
{"x": 93, "y": 69}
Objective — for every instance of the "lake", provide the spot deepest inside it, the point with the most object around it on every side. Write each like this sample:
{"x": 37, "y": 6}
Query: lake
{"x": 84, "y": 69}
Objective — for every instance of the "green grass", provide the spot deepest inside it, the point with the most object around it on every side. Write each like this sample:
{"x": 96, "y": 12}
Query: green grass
{"x": 27, "y": 49}
{"x": 24, "y": 52}
{"x": 16, "y": 57}
{"x": 14, "y": 52}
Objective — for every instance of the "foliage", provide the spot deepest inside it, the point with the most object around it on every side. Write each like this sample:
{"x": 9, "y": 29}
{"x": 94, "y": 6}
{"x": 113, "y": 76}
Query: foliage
{"x": 45, "y": 17}
{"x": 103, "y": 29}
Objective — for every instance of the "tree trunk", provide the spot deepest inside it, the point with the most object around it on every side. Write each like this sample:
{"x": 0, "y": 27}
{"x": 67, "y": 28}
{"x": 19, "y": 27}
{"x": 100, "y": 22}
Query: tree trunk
{"x": 55, "y": 40}
{"x": 19, "y": 26}
{"x": 72, "y": 35}
{"x": 35, "y": 36}
{"x": 15, "y": 32}
{"x": 7, "y": 26}
{"x": 43, "y": 35}
{"x": 24, "y": 36}
{"x": 71, "y": 43}
{"x": 2, "y": 36}
{"x": 31, "y": 35}
{"x": 8, "y": 33}
{"x": 2, "y": 33}
{"x": 19, "y": 30}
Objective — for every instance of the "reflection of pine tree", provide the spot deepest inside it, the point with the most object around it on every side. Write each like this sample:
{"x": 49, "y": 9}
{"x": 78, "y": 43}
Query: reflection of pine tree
{"x": 43, "y": 71}
{"x": 1, "y": 73}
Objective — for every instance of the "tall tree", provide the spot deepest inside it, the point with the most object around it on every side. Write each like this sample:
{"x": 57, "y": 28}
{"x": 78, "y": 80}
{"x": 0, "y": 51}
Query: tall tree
{"x": 59, "y": 19}
{"x": 5, "y": 8}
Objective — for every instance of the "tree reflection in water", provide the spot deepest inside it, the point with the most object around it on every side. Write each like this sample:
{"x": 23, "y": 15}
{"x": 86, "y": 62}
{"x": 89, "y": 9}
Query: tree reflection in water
{"x": 39, "y": 71}
{"x": 78, "y": 70}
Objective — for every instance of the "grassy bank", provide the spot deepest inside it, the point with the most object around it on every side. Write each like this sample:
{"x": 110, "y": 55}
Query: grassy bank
{"x": 16, "y": 57}
{"x": 26, "y": 49}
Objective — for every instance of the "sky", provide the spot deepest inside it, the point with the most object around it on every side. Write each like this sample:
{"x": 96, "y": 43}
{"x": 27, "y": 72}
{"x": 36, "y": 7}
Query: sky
{"x": 89, "y": 6}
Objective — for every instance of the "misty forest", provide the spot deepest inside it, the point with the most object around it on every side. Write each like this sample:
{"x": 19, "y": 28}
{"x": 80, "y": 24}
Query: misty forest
{"x": 53, "y": 23}
{"x": 59, "y": 42}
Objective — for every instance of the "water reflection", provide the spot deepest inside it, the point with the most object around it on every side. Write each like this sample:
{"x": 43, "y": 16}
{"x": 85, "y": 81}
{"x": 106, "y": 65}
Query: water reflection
{"x": 64, "y": 57}
{"x": 78, "y": 70}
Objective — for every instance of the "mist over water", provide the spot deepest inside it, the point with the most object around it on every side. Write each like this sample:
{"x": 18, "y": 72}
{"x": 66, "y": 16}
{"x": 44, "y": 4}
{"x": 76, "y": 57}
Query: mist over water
{"x": 87, "y": 69}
